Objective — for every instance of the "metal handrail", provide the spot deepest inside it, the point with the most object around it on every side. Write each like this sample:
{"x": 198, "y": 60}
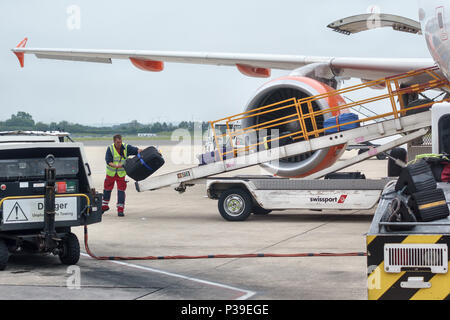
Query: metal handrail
{"x": 393, "y": 91}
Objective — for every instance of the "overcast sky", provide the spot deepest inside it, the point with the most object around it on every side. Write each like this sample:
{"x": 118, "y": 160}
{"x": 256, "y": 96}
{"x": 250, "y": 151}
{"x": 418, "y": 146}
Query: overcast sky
{"x": 91, "y": 93}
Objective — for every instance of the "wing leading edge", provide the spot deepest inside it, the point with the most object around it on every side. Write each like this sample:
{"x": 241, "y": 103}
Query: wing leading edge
{"x": 256, "y": 65}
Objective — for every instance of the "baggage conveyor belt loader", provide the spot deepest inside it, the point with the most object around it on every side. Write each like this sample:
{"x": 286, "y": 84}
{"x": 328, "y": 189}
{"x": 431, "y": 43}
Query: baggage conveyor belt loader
{"x": 405, "y": 123}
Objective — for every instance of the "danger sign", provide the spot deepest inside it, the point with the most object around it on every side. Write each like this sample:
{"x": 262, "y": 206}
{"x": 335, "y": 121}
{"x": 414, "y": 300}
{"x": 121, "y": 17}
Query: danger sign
{"x": 16, "y": 214}
{"x": 32, "y": 210}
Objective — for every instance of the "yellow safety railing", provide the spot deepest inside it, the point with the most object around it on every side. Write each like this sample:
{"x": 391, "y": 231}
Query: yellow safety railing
{"x": 295, "y": 113}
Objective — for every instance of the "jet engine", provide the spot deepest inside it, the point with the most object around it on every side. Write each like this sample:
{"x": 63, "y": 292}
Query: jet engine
{"x": 295, "y": 87}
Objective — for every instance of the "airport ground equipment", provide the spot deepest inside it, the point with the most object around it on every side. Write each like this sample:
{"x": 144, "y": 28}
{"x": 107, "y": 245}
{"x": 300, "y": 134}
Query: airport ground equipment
{"x": 409, "y": 264}
{"x": 240, "y": 196}
{"x": 310, "y": 137}
{"x": 45, "y": 190}
{"x": 410, "y": 259}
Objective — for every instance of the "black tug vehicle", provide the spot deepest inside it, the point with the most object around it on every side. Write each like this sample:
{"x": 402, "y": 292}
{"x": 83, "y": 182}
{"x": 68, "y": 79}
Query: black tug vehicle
{"x": 45, "y": 190}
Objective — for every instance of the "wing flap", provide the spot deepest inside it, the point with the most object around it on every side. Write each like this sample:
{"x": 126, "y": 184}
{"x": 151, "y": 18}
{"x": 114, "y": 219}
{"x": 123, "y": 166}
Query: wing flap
{"x": 73, "y": 58}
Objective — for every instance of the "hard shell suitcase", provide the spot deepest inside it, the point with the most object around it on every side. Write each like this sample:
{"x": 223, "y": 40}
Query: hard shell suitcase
{"x": 214, "y": 156}
{"x": 346, "y": 118}
{"x": 342, "y": 119}
{"x": 144, "y": 164}
{"x": 330, "y": 122}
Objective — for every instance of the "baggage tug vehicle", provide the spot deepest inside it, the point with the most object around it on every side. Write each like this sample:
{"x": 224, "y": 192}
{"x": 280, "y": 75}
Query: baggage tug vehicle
{"x": 45, "y": 190}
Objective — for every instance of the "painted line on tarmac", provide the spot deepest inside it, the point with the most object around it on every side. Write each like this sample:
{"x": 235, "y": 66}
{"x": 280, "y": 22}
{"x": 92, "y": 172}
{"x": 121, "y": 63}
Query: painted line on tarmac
{"x": 246, "y": 294}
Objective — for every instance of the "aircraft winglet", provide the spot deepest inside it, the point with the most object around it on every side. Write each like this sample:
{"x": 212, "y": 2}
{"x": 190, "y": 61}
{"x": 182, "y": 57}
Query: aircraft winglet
{"x": 21, "y": 55}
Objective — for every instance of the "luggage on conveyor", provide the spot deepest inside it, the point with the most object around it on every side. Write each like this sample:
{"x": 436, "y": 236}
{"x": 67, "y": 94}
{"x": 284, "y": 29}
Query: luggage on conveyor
{"x": 214, "y": 156}
{"x": 343, "y": 118}
{"x": 144, "y": 164}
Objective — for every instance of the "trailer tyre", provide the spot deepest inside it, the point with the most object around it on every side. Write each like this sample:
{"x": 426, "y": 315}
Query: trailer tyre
{"x": 4, "y": 255}
{"x": 235, "y": 205}
{"x": 393, "y": 169}
{"x": 70, "y": 250}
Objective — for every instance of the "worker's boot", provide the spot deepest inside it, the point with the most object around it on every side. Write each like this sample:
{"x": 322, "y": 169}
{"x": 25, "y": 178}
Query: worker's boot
{"x": 105, "y": 206}
{"x": 120, "y": 200}
{"x": 120, "y": 208}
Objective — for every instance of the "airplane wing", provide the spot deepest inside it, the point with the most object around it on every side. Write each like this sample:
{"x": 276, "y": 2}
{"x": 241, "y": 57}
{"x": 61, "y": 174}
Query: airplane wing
{"x": 255, "y": 65}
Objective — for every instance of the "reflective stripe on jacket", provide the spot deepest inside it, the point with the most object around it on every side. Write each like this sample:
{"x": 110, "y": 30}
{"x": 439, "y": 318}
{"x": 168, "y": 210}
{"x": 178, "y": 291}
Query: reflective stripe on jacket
{"x": 117, "y": 159}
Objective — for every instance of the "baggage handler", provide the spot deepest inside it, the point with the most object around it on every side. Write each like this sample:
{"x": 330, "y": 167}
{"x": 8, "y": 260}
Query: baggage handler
{"x": 115, "y": 157}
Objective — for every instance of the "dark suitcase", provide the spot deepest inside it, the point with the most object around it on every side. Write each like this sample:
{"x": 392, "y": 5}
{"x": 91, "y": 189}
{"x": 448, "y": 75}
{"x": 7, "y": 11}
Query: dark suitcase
{"x": 144, "y": 164}
{"x": 345, "y": 175}
{"x": 440, "y": 166}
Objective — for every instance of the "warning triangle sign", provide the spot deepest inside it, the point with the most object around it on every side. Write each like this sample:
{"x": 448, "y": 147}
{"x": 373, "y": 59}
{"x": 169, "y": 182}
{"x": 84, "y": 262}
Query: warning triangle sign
{"x": 16, "y": 214}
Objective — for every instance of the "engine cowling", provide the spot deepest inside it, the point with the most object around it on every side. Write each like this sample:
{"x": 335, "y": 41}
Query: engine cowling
{"x": 296, "y": 87}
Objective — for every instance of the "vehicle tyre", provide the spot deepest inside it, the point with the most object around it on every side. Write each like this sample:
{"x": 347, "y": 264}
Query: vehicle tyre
{"x": 70, "y": 253}
{"x": 260, "y": 210}
{"x": 235, "y": 204}
{"x": 393, "y": 169}
{"x": 4, "y": 255}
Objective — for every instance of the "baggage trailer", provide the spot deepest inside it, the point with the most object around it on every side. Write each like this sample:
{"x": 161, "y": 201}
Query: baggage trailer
{"x": 240, "y": 196}
{"x": 408, "y": 259}
{"x": 411, "y": 264}
{"x": 45, "y": 190}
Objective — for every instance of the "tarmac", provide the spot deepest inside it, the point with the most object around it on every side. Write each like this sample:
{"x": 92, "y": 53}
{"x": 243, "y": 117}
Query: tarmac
{"x": 164, "y": 222}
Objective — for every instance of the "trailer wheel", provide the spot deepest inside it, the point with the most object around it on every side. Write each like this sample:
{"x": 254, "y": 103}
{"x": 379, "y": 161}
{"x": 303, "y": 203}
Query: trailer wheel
{"x": 70, "y": 253}
{"x": 260, "y": 210}
{"x": 4, "y": 255}
{"x": 235, "y": 205}
{"x": 393, "y": 169}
